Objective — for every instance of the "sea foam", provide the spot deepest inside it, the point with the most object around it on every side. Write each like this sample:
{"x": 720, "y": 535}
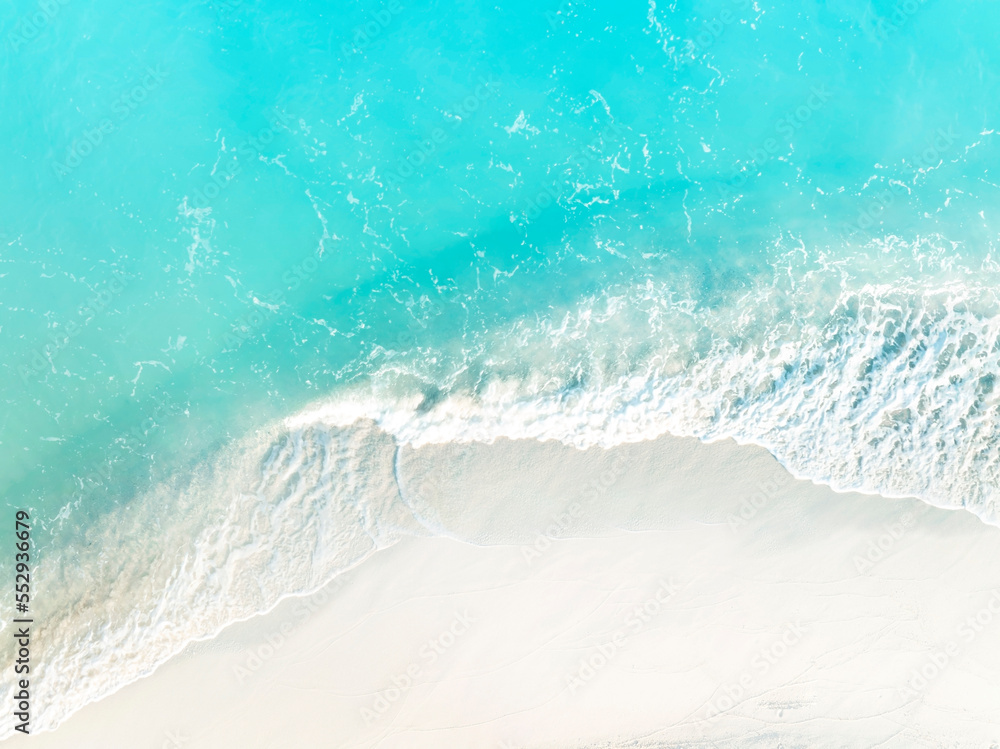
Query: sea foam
{"x": 865, "y": 385}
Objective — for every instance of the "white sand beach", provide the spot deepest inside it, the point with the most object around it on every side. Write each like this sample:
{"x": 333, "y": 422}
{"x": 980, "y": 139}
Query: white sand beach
{"x": 665, "y": 593}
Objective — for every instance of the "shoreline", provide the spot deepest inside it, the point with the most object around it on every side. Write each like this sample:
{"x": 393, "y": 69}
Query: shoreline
{"x": 628, "y": 594}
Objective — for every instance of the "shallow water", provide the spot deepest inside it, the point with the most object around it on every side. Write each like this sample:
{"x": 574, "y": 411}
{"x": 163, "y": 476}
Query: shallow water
{"x": 592, "y": 224}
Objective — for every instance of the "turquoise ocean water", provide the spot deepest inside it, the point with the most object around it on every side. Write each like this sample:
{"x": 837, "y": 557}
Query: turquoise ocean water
{"x": 232, "y": 229}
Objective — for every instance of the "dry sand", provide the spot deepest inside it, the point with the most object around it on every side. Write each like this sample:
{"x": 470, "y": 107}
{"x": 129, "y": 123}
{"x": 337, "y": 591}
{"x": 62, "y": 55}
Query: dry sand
{"x": 667, "y": 593}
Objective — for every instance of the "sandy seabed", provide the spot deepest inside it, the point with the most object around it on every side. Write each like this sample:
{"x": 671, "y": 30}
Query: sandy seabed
{"x": 664, "y": 593}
